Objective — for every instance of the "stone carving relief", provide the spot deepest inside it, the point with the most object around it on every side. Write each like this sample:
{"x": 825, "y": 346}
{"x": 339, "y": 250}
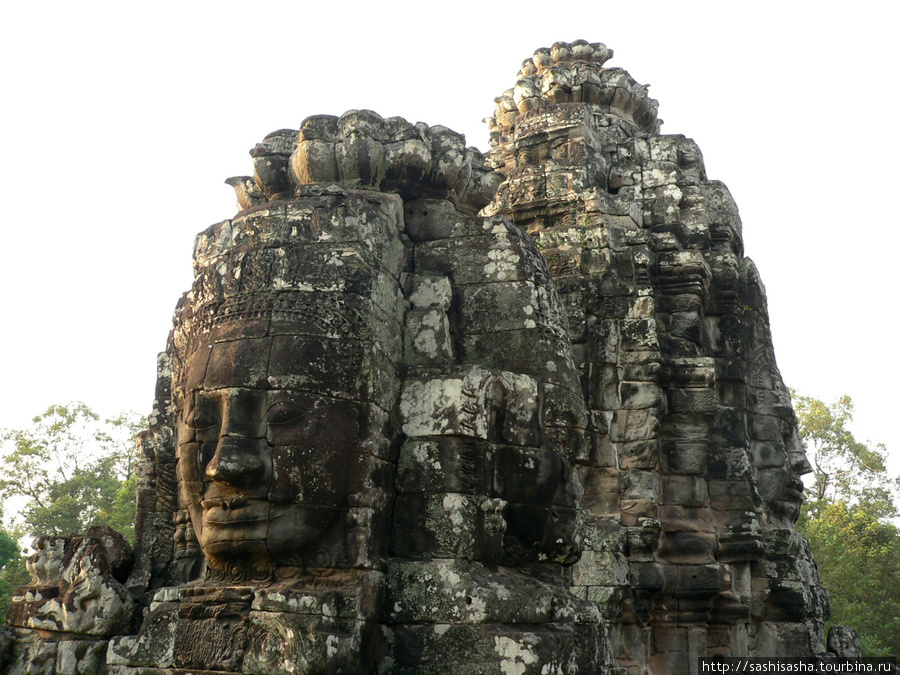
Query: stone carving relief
{"x": 74, "y": 603}
{"x": 424, "y": 411}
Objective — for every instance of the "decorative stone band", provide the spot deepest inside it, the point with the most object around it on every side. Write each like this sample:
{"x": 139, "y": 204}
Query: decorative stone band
{"x": 574, "y": 73}
{"x": 362, "y": 150}
{"x": 327, "y": 263}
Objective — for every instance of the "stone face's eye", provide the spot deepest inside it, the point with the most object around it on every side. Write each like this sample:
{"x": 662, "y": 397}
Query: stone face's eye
{"x": 204, "y": 418}
{"x": 289, "y": 423}
{"x": 285, "y": 413}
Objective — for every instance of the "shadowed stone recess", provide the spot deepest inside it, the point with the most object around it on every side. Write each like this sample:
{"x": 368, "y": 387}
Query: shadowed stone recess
{"x": 425, "y": 411}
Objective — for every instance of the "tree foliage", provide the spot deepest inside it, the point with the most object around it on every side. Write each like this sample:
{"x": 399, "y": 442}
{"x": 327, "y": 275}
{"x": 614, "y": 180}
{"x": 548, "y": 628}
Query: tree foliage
{"x": 859, "y": 560}
{"x": 12, "y": 570}
{"x": 70, "y": 470}
{"x": 846, "y": 521}
{"x": 844, "y": 468}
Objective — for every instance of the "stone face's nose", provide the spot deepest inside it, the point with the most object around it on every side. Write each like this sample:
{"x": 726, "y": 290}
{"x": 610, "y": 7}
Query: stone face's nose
{"x": 800, "y": 465}
{"x": 238, "y": 462}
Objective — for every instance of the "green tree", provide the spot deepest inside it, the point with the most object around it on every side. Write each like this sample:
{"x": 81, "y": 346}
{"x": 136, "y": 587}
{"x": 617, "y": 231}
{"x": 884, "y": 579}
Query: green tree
{"x": 70, "y": 470}
{"x": 859, "y": 561}
{"x": 12, "y": 570}
{"x": 844, "y": 468}
{"x": 846, "y": 521}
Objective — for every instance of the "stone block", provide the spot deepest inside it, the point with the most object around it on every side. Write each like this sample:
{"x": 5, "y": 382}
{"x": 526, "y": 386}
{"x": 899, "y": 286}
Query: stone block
{"x": 643, "y": 542}
{"x": 844, "y": 641}
{"x": 636, "y": 512}
{"x": 445, "y": 464}
{"x": 483, "y": 648}
{"x": 766, "y": 428}
{"x": 782, "y": 639}
{"x": 606, "y": 504}
{"x": 729, "y": 427}
{"x": 669, "y": 639}
{"x": 604, "y": 535}
{"x": 639, "y": 334}
{"x": 604, "y": 339}
{"x": 639, "y": 454}
{"x": 527, "y": 475}
{"x": 647, "y": 576}
{"x": 280, "y": 642}
{"x": 637, "y": 395}
{"x": 526, "y": 351}
{"x": 600, "y": 568}
{"x": 768, "y": 455}
{"x": 692, "y": 400}
{"x": 604, "y": 394}
{"x": 729, "y": 464}
{"x": 210, "y": 638}
{"x": 525, "y": 304}
{"x": 448, "y": 525}
{"x": 707, "y": 578}
{"x": 731, "y": 394}
{"x": 686, "y": 458}
{"x": 639, "y": 484}
{"x": 688, "y": 325}
{"x": 155, "y": 643}
{"x": 685, "y": 547}
{"x": 684, "y": 490}
{"x": 732, "y": 495}
{"x": 634, "y": 425}
{"x": 601, "y": 448}
{"x": 601, "y": 481}
{"x": 448, "y": 591}
{"x": 456, "y": 406}
{"x": 427, "y": 338}
{"x": 646, "y": 371}
{"x": 739, "y": 547}
{"x": 77, "y": 657}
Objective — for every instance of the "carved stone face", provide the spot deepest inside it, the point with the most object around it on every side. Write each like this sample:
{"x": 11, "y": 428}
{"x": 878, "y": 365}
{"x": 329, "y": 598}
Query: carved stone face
{"x": 781, "y": 488}
{"x": 263, "y": 472}
{"x": 284, "y": 373}
{"x": 790, "y": 496}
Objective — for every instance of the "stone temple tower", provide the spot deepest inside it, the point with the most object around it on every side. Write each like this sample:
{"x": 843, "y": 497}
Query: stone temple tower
{"x": 426, "y": 412}
{"x": 692, "y": 487}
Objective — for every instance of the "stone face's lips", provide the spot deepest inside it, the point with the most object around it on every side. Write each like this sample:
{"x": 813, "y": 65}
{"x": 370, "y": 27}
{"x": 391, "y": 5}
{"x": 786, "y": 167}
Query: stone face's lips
{"x": 793, "y": 495}
{"x": 794, "y": 490}
{"x": 234, "y": 511}
{"x": 225, "y": 503}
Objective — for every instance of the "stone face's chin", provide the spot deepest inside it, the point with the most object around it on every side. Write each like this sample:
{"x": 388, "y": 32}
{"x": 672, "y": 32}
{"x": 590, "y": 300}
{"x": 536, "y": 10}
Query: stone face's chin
{"x": 789, "y": 507}
{"x": 787, "y": 504}
{"x": 788, "y": 510}
{"x": 288, "y": 534}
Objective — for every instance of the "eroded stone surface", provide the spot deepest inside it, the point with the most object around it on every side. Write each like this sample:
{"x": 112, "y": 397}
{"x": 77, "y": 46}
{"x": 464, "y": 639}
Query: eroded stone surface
{"x": 692, "y": 488}
{"x": 354, "y": 441}
{"x": 64, "y": 617}
{"x": 394, "y": 434}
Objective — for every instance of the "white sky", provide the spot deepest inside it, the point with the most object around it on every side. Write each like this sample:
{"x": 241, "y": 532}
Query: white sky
{"x": 122, "y": 120}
